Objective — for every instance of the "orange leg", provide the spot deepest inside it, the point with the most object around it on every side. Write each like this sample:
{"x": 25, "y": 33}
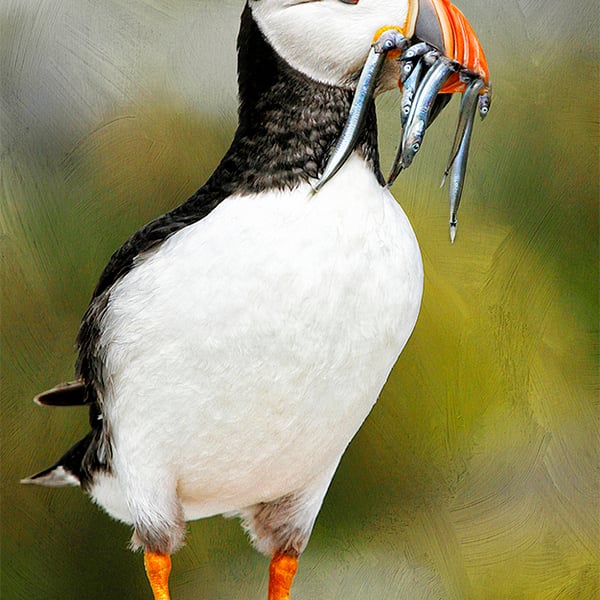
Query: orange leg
{"x": 158, "y": 568}
{"x": 281, "y": 574}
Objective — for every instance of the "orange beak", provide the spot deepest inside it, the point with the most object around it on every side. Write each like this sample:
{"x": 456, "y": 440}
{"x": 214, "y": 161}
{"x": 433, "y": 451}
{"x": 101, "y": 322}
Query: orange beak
{"x": 460, "y": 44}
{"x": 443, "y": 26}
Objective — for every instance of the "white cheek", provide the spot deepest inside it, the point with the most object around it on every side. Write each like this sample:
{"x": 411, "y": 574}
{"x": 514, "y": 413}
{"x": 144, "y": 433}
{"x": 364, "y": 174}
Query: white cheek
{"x": 326, "y": 40}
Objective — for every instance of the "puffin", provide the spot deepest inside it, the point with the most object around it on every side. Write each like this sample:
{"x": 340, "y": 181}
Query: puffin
{"x": 234, "y": 346}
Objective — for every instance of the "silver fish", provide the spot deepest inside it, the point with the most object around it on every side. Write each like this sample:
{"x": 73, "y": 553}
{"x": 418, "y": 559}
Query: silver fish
{"x": 388, "y": 40}
{"x": 409, "y": 90}
{"x": 485, "y": 101}
{"x": 420, "y": 52}
{"x": 418, "y": 118}
{"x": 406, "y": 69}
{"x": 468, "y": 105}
{"x": 458, "y": 163}
{"x": 416, "y": 51}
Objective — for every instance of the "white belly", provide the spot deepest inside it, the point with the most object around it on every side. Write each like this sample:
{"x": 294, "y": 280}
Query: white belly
{"x": 245, "y": 352}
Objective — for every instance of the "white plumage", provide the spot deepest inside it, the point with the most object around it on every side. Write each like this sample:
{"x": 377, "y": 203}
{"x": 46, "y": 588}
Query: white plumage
{"x": 246, "y": 351}
{"x": 325, "y": 39}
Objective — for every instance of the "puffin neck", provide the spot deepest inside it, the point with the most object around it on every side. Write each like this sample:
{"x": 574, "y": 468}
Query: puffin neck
{"x": 288, "y": 123}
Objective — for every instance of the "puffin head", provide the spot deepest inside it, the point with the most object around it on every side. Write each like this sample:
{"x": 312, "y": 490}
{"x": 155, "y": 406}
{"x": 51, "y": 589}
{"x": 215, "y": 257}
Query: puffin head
{"x": 329, "y": 40}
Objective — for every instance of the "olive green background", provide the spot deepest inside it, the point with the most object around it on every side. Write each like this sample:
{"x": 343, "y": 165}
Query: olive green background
{"x": 476, "y": 475}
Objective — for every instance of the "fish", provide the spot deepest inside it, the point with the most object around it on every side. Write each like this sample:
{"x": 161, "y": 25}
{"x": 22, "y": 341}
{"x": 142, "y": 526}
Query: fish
{"x": 458, "y": 161}
{"x": 418, "y": 117}
{"x": 390, "y": 39}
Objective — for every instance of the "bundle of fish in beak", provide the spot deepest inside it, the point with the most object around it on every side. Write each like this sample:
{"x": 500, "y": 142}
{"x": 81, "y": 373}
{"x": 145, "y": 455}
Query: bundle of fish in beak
{"x": 439, "y": 55}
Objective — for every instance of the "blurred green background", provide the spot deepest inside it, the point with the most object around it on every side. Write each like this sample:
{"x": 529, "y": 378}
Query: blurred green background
{"x": 476, "y": 475}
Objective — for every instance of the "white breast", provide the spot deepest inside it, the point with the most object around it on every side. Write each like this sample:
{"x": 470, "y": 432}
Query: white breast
{"x": 245, "y": 352}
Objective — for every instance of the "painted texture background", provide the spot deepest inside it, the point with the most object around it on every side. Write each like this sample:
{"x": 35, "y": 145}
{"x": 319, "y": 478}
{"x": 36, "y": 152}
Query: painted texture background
{"x": 476, "y": 474}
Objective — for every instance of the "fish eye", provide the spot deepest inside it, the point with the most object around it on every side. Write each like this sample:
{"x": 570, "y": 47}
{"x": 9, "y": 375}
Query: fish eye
{"x": 415, "y": 147}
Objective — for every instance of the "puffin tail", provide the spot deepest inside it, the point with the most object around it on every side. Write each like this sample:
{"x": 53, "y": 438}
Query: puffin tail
{"x": 65, "y": 394}
{"x": 67, "y": 470}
